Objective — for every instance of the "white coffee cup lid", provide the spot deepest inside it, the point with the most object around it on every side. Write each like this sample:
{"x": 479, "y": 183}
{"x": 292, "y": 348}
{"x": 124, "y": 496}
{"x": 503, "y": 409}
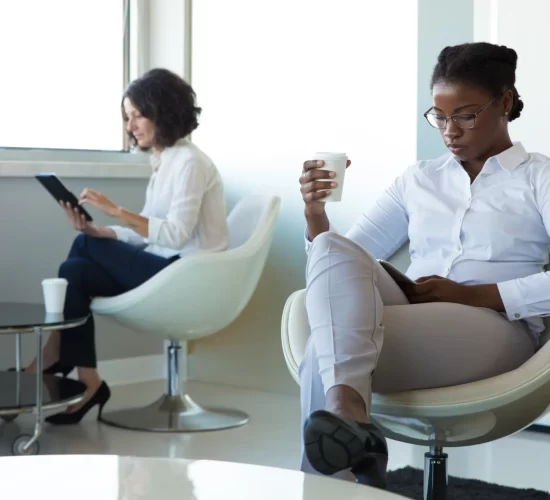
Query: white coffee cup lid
{"x": 329, "y": 156}
{"x": 55, "y": 281}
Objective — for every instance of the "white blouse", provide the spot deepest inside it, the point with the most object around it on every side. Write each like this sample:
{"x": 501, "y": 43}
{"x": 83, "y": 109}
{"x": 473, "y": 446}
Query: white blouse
{"x": 184, "y": 203}
{"x": 492, "y": 231}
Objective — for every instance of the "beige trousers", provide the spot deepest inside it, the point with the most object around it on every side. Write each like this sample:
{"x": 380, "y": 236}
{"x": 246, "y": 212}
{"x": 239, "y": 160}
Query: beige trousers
{"x": 366, "y": 335}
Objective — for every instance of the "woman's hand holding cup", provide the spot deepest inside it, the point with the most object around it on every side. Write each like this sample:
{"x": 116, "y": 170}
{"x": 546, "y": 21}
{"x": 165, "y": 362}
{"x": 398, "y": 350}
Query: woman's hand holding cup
{"x": 316, "y": 184}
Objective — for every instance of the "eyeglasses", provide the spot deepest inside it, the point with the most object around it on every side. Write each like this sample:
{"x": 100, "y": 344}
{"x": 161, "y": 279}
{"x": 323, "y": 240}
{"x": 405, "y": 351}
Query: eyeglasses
{"x": 461, "y": 120}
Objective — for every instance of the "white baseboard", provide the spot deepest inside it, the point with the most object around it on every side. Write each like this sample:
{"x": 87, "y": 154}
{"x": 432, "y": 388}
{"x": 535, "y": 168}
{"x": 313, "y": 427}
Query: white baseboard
{"x": 132, "y": 370}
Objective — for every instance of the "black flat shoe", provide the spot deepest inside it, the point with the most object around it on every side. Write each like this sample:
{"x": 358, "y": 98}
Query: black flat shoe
{"x": 54, "y": 369}
{"x": 100, "y": 398}
{"x": 334, "y": 444}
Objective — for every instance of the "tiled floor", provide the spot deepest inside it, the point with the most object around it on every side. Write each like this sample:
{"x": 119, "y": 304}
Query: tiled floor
{"x": 272, "y": 438}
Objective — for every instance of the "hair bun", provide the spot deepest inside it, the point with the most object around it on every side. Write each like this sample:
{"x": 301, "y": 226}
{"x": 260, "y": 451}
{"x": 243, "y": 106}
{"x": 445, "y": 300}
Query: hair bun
{"x": 517, "y": 107}
{"x": 511, "y": 56}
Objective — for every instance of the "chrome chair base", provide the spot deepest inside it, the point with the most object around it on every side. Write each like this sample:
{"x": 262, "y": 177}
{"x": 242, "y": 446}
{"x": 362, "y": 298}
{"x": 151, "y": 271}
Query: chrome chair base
{"x": 175, "y": 414}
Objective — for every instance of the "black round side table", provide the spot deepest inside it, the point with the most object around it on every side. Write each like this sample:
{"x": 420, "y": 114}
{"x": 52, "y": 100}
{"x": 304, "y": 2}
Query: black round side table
{"x": 28, "y": 392}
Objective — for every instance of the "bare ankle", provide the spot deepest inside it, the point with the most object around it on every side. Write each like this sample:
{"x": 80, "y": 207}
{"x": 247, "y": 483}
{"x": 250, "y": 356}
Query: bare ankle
{"x": 89, "y": 377}
{"x": 346, "y": 402}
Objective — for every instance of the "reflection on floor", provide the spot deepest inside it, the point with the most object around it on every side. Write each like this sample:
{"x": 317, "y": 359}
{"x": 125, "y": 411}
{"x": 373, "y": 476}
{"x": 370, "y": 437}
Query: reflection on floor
{"x": 272, "y": 438}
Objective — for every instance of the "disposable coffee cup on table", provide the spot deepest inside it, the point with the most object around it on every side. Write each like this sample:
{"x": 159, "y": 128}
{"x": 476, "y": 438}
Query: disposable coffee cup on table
{"x": 54, "y": 290}
{"x": 334, "y": 162}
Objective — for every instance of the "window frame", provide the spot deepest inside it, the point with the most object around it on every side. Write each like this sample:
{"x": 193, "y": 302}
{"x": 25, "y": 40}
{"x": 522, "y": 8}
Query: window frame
{"x": 27, "y": 162}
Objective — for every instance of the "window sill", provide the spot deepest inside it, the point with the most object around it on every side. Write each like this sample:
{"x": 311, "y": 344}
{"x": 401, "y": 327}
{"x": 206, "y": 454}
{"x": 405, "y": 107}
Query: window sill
{"x": 66, "y": 169}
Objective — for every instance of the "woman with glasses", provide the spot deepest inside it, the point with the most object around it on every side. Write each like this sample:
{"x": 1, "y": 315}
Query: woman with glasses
{"x": 477, "y": 220}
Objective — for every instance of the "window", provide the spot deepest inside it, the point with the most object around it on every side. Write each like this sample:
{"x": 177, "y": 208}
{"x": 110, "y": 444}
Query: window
{"x": 63, "y": 73}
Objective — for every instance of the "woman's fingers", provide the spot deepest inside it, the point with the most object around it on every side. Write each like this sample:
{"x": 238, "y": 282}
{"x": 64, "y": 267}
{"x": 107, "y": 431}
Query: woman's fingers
{"x": 315, "y": 196}
{"x": 313, "y": 175}
{"x": 311, "y": 187}
{"x": 75, "y": 216}
{"x": 423, "y": 279}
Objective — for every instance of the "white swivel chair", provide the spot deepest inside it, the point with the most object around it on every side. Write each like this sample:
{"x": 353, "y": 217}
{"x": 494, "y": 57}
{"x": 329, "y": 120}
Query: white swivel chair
{"x": 462, "y": 415}
{"x": 194, "y": 297}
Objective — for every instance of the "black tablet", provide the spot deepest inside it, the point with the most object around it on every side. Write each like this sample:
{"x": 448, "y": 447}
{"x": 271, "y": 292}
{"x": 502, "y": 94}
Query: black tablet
{"x": 56, "y": 188}
{"x": 400, "y": 278}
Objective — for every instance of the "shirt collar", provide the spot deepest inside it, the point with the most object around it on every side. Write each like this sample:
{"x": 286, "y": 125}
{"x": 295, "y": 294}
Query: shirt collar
{"x": 156, "y": 158}
{"x": 513, "y": 157}
{"x": 508, "y": 160}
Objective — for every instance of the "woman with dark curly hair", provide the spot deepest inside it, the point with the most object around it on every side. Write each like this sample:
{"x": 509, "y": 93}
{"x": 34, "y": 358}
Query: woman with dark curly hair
{"x": 478, "y": 224}
{"x": 184, "y": 213}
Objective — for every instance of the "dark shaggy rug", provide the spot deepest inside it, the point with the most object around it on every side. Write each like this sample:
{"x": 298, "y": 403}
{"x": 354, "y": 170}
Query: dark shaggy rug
{"x": 408, "y": 482}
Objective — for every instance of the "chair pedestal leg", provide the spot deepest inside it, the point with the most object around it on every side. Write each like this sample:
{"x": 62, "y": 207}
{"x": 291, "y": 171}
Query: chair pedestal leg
{"x": 435, "y": 474}
{"x": 175, "y": 411}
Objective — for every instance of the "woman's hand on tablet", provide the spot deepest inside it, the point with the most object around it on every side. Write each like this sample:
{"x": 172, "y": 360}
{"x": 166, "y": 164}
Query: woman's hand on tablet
{"x": 100, "y": 201}
{"x": 81, "y": 224}
{"x": 437, "y": 289}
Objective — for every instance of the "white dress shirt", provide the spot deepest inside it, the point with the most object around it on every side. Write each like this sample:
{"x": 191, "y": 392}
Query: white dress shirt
{"x": 184, "y": 203}
{"x": 492, "y": 231}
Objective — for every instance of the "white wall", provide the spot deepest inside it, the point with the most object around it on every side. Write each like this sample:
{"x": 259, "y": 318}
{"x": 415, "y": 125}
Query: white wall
{"x": 279, "y": 80}
{"x": 523, "y": 26}
{"x": 307, "y": 76}
{"x": 167, "y": 34}
{"x": 435, "y": 33}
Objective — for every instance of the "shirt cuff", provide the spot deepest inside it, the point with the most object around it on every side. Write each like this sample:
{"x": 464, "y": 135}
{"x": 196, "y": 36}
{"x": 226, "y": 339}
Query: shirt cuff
{"x": 514, "y": 305}
{"x": 121, "y": 233}
{"x": 155, "y": 225}
{"x": 308, "y": 243}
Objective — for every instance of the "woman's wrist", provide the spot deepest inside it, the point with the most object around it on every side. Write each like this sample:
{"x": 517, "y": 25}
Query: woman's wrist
{"x": 117, "y": 213}
{"x": 487, "y": 296}
{"x": 316, "y": 224}
{"x": 109, "y": 233}
{"x": 134, "y": 221}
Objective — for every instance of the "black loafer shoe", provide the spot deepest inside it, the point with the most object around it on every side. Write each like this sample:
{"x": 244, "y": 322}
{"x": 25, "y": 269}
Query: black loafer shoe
{"x": 334, "y": 444}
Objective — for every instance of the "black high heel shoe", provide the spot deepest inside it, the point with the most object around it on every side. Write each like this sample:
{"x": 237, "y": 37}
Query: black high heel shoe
{"x": 334, "y": 444}
{"x": 100, "y": 398}
{"x": 54, "y": 369}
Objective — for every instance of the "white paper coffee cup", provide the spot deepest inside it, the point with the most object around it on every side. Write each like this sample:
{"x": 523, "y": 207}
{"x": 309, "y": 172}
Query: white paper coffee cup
{"x": 334, "y": 162}
{"x": 54, "y": 290}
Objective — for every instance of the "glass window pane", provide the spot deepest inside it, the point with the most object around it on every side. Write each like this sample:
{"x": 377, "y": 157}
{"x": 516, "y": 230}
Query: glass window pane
{"x": 62, "y": 74}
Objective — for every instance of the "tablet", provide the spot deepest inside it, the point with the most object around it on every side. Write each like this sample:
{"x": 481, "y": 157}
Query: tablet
{"x": 60, "y": 193}
{"x": 397, "y": 276}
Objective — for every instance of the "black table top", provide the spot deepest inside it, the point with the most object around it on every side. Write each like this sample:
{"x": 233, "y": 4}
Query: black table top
{"x": 18, "y": 392}
{"x": 17, "y": 317}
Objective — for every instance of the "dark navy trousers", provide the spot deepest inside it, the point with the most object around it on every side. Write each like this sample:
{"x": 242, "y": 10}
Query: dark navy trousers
{"x": 99, "y": 267}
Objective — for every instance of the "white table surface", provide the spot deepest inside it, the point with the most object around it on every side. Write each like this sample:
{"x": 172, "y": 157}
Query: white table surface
{"x": 109, "y": 477}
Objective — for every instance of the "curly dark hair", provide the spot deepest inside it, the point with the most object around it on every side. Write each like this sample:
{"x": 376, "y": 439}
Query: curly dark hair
{"x": 491, "y": 67}
{"x": 168, "y": 101}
